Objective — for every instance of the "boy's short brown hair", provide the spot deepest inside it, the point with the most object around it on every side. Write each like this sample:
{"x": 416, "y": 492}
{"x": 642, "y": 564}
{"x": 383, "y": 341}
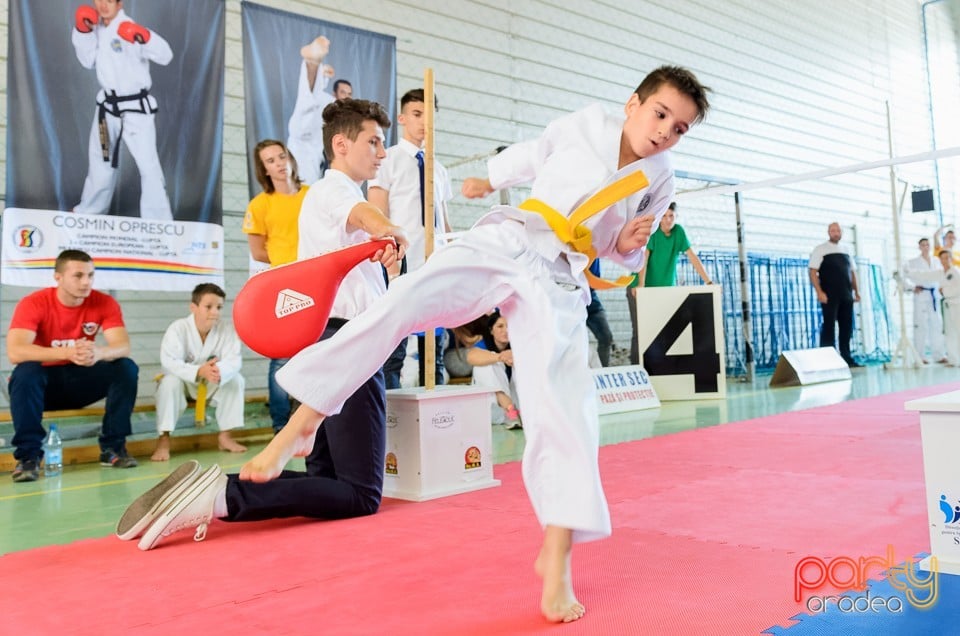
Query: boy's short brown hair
{"x": 416, "y": 95}
{"x": 203, "y": 289}
{"x": 346, "y": 116}
{"x": 67, "y": 256}
{"x": 681, "y": 79}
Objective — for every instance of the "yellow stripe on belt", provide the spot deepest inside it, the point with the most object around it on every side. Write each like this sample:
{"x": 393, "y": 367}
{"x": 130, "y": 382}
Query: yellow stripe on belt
{"x": 579, "y": 237}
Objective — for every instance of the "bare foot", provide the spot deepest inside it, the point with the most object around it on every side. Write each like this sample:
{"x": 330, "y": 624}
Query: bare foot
{"x": 293, "y": 440}
{"x": 316, "y": 50}
{"x": 227, "y": 443}
{"x": 557, "y": 602}
{"x": 162, "y": 452}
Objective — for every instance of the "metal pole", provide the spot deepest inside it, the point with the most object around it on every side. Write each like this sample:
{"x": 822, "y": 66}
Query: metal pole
{"x": 907, "y": 354}
{"x": 818, "y": 174}
{"x": 933, "y": 122}
{"x": 744, "y": 291}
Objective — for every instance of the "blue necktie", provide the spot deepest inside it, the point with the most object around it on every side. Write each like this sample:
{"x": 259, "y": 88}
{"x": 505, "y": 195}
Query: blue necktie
{"x": 423, "y": 211}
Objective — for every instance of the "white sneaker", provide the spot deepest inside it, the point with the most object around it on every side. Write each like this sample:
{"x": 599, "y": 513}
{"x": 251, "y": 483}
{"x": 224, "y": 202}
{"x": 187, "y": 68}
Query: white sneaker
{"x": 148, "y": 506}
{"x": 192, "y": 508}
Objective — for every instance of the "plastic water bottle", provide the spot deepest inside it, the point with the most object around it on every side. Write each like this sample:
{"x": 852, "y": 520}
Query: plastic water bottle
{"x": 53, "y": 453}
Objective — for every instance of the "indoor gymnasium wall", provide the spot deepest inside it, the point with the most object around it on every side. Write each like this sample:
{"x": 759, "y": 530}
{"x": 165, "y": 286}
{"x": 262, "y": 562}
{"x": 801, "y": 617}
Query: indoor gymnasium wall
{"x": 798, "y": 87}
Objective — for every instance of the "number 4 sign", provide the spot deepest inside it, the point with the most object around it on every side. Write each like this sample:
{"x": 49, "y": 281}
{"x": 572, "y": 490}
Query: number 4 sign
{"x": 680, "y": 332}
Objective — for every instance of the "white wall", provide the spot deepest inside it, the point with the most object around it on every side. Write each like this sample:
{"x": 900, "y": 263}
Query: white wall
{"x": 798, "y": 86}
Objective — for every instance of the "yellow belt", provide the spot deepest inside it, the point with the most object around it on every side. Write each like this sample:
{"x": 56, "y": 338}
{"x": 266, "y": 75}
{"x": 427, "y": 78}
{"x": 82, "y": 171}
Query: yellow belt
{"x": 571, "y": 230}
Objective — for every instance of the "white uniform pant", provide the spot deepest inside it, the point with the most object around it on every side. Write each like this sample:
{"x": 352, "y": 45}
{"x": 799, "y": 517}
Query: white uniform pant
{"x": 951, "y": 329}
{"x": 226, "y": 398}
{"x": 140, "y": 138}
{"x": 491, "y": 266}
{"x": 306, "y": 125}
{"x": 927, "y": 326}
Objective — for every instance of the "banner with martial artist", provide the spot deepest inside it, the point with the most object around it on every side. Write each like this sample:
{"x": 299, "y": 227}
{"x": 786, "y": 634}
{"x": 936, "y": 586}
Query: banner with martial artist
{"x": 115, "y": 140}
{"x": 293, "y": 66}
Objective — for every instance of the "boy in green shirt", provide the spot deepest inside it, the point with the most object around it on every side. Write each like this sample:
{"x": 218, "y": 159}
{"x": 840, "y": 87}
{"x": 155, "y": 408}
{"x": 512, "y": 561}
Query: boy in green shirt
{"x": 660, "y": 266}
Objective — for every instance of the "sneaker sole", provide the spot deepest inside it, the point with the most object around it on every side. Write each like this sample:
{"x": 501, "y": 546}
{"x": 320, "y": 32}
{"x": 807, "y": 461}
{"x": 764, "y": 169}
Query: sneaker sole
{"x": 150, "y": 504}
{"x": 154, "y": 533}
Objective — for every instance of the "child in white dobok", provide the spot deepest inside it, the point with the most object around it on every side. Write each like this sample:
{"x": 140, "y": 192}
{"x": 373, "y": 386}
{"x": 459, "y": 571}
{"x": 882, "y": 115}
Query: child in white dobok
{"x": 200, "y": 349}
{"x": 950, "y": 289}
{"x": 530, "y": 263}
{"x": 600, "y": 183}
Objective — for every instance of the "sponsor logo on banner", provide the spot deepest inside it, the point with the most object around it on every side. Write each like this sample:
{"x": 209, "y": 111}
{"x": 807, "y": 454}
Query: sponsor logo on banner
{"x": 290, "y": 302}
{"x": 850, "y": 574}
{"x": 625, "y": 388}
{"x": 129, "y": 253}
{"x": 27, "y": 238}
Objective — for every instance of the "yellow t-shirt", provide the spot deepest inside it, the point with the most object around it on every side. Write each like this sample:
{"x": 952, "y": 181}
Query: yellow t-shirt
{"x": 956, "y": 261}
{"x": 276, "y": 216}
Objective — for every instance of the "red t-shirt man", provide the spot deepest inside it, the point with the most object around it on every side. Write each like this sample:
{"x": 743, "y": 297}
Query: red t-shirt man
{"x": 52, "y": 340}
{"x": 57, "y": 325}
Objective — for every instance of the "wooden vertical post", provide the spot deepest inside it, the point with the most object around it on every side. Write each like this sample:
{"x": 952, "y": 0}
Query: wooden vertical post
{"x": 430, "y": 347}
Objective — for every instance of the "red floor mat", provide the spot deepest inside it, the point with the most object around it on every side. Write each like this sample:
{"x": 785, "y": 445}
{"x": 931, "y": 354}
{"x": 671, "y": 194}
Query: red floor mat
{"x": 708, "y": 526}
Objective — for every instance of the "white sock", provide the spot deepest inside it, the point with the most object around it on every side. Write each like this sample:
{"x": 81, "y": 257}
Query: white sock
{"x": 220, "y": 503}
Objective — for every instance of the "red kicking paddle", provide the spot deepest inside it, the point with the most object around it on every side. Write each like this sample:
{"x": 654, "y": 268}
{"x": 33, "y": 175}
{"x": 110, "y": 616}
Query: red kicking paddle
{"x": 282, "y": 310}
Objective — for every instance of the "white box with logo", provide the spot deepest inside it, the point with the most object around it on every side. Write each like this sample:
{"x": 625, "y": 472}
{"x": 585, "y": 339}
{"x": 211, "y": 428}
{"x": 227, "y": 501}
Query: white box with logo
{"x": 940, "y": 435}
{"x": 439, "y": 442}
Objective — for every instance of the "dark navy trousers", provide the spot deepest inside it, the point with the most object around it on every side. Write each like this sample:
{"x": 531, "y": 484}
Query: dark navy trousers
{"x": 344, "y": 476}
{"x": 35, "y": 388}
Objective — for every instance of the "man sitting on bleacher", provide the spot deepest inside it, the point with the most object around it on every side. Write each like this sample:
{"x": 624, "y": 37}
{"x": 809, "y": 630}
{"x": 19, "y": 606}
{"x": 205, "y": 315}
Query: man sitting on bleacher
{"x": 51, "y": 341}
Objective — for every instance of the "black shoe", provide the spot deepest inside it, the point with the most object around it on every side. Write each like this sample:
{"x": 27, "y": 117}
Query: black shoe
{"x": 117, "y": 460}
{"x": 27, "y": 470}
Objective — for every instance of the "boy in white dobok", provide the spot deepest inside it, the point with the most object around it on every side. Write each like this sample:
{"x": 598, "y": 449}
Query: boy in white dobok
{"x": 950, "y": 289}
{"x": 530, "y": 263}
{"x": 602, "y": 181}
{"x": 200, "y": 348}
{"x": 922, "y": 275}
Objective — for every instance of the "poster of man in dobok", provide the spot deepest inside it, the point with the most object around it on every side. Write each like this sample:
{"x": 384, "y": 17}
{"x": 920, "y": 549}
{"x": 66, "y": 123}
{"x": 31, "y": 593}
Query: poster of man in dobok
{"x": 116, "y": 108}
{"x": 115, "y": 140}
{"x": 295, "y": 65}
{"x": 120, "y": 50}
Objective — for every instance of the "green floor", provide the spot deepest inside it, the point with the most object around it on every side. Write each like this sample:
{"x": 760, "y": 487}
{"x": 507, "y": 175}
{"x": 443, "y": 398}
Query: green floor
{"x": 87, "y": 500}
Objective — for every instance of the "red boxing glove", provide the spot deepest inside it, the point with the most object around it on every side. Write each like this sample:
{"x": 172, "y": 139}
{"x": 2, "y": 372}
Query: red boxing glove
{"x": 133, "y": 32}
{"x": 86, "y": 18}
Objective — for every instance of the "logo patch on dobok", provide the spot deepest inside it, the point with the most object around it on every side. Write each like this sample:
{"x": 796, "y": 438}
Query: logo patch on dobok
{"x": 290, "y": 302}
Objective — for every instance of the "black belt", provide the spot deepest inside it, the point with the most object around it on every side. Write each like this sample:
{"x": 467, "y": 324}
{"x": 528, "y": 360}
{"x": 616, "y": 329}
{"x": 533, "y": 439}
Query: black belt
{"x": 111, "y": 104}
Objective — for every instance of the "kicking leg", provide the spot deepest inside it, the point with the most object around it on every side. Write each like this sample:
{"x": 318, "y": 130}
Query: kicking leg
{"x": 294, "y": 440}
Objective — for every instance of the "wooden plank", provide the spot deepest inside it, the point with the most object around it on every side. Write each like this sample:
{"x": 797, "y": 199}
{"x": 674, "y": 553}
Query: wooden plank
{"x": 97, "y": 411}
{"x": 90, "y": 454}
